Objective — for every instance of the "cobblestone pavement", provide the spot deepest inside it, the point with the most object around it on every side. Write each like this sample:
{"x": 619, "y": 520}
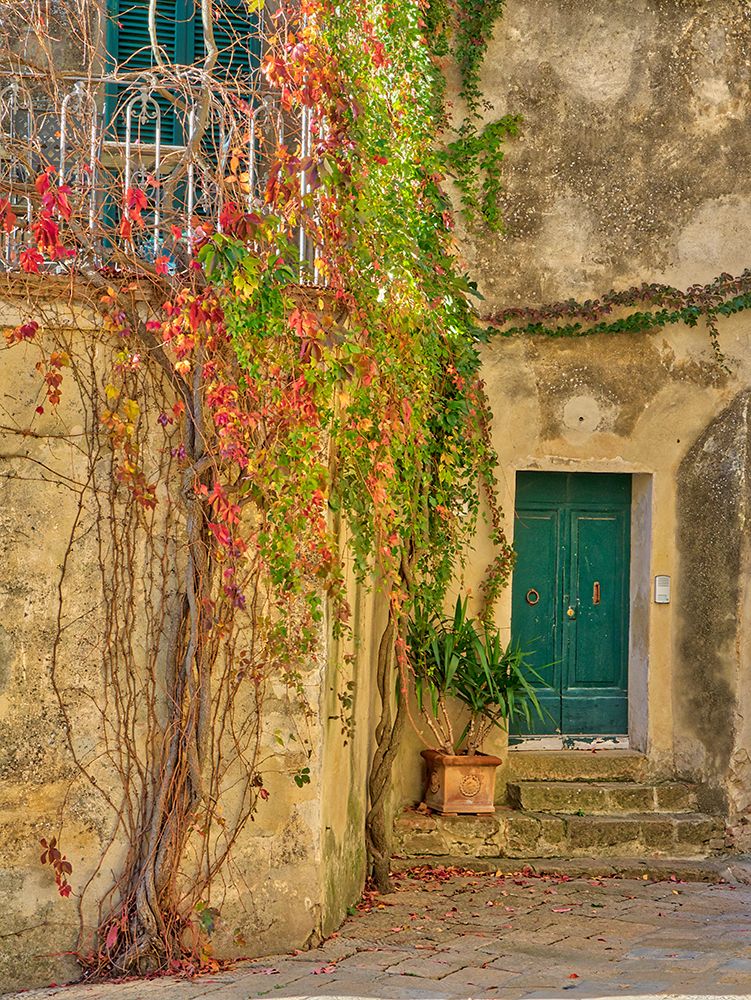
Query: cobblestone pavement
{"x": 471, "y": 935}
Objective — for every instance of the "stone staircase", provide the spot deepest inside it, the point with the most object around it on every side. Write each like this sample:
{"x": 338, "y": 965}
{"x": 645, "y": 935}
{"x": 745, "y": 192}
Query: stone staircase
{"x": 573, "y": 804}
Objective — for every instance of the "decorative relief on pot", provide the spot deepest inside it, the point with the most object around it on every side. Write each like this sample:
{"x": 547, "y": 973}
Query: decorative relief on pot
{"x": 469, "y": 785}
{"x": 435, "y": 781}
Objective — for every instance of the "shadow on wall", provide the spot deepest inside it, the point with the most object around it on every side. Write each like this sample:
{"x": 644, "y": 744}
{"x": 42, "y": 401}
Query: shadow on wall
{"x": 712, "y": 510}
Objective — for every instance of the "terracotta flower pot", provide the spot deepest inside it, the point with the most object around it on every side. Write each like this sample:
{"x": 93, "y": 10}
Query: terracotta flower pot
{"x": 457, "y": 784}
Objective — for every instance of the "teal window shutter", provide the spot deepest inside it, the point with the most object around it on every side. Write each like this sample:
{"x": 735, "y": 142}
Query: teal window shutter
{"x": 237, "y": 34}
{"x": 128, "y": 44}
{"x": 129, "y": 48}
{"x": 180, "y": 34}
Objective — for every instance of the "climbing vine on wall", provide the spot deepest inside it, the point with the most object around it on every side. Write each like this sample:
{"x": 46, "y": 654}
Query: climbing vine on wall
{"x": 475, "y": 23}
{"x": 474, "y": 151}
{"x": 239, "y": 413}
{"x": 660, "y": 306}
{"x": 239, "y": 410}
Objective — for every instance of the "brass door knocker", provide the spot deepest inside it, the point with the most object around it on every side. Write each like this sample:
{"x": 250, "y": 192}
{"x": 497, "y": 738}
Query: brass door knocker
{"x": 533, "y": 597}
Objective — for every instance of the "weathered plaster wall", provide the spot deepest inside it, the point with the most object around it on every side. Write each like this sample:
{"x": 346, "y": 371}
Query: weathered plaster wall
{"x": 350, "y": 707}
{"x": 74, "y": 35}
{"x": 661, "y": 408}
{"x": 37, "y": 775}
{"x": 633, "y": 166}
{"x": 635, "y": 157}
{"x": 294, "y": 870}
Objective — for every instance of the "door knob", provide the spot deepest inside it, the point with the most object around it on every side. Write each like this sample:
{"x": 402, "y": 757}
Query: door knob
{"x": 571, "y": 613}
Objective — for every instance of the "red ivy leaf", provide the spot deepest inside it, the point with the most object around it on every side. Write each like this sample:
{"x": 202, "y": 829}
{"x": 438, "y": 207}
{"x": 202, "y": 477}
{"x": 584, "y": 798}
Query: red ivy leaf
{"x": 63, "y": 205}
{"x": 27, "y": 331}
{"x": 30, "y": 259}
{"x": 8, "y": 216}
{"x": 42, "y": 183}
{"x": 111, "y": 940}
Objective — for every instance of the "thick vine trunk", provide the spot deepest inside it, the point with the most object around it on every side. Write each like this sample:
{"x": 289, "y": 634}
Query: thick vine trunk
{"x": 388, "y": 733}
{"x": 151, "y": 925}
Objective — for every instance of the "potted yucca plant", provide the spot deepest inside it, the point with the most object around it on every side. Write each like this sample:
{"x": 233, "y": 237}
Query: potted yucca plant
{"x": 464, "y": 659}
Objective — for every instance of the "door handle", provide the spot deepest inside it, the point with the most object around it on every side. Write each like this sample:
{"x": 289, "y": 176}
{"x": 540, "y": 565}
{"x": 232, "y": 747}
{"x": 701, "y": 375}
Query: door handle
{"x": 596, "y": 592}
{"x": 571, "y": 612}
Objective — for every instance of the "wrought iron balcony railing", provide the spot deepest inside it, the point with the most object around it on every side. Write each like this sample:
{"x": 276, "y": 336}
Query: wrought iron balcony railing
{"x": 167, "y": 155}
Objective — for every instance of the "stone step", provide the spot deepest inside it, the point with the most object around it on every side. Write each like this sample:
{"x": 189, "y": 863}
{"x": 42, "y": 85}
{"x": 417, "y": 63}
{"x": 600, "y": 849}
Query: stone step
{"x": 601, "y": 798}
{"x": 547, "y": 835}
{"x": 732, "y": 869}
{"x": 577, "y": 765}
{"x": 510, "y": 833}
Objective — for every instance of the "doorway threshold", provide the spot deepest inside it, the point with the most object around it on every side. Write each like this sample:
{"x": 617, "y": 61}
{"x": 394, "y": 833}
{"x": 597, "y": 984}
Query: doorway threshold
{"x": 569, "y": 743}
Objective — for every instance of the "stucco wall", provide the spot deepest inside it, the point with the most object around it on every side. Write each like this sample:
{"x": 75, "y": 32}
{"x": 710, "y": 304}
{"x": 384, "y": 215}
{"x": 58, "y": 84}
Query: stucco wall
{"x": 293, "y": 871}
{"x": 633, "y": 166}
{"x": 634, "y": 161}
{"x": 37, "y": 775}
{"x": 661, "y": 408}
{"x": 350, "y": 707}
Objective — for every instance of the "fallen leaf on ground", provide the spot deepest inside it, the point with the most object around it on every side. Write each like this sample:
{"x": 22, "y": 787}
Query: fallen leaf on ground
{"x": 322, "y": 970}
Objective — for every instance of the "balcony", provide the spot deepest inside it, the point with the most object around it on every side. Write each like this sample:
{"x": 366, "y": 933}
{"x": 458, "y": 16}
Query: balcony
{"x": 150, "y": 166}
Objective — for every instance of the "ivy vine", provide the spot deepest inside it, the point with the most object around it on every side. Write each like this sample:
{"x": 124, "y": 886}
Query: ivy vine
{"x": 475, "y": 160}
{"x": 722, "y": 297}
{"x": 475, "y": 21}
{"x": 279, "y": 405}
{"x": 474, "y": 157}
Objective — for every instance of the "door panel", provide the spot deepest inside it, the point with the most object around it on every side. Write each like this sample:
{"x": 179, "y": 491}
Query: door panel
{"x": 594, "y": 695}
{"x": 598, "y": 564}
{"x": 572, "y": 537}
{"x": 537, "y": 538}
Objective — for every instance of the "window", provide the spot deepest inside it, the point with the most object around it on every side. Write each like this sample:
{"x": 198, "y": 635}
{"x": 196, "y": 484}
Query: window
{"x": 180, "y": 34}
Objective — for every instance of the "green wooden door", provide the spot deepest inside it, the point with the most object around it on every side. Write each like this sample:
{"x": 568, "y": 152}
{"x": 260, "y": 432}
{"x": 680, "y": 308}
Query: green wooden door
{"x": 570, "y": 596}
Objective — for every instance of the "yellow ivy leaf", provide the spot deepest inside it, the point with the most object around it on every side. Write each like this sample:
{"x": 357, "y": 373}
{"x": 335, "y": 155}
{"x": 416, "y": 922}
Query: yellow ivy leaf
{"x": 131, "y": 409}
